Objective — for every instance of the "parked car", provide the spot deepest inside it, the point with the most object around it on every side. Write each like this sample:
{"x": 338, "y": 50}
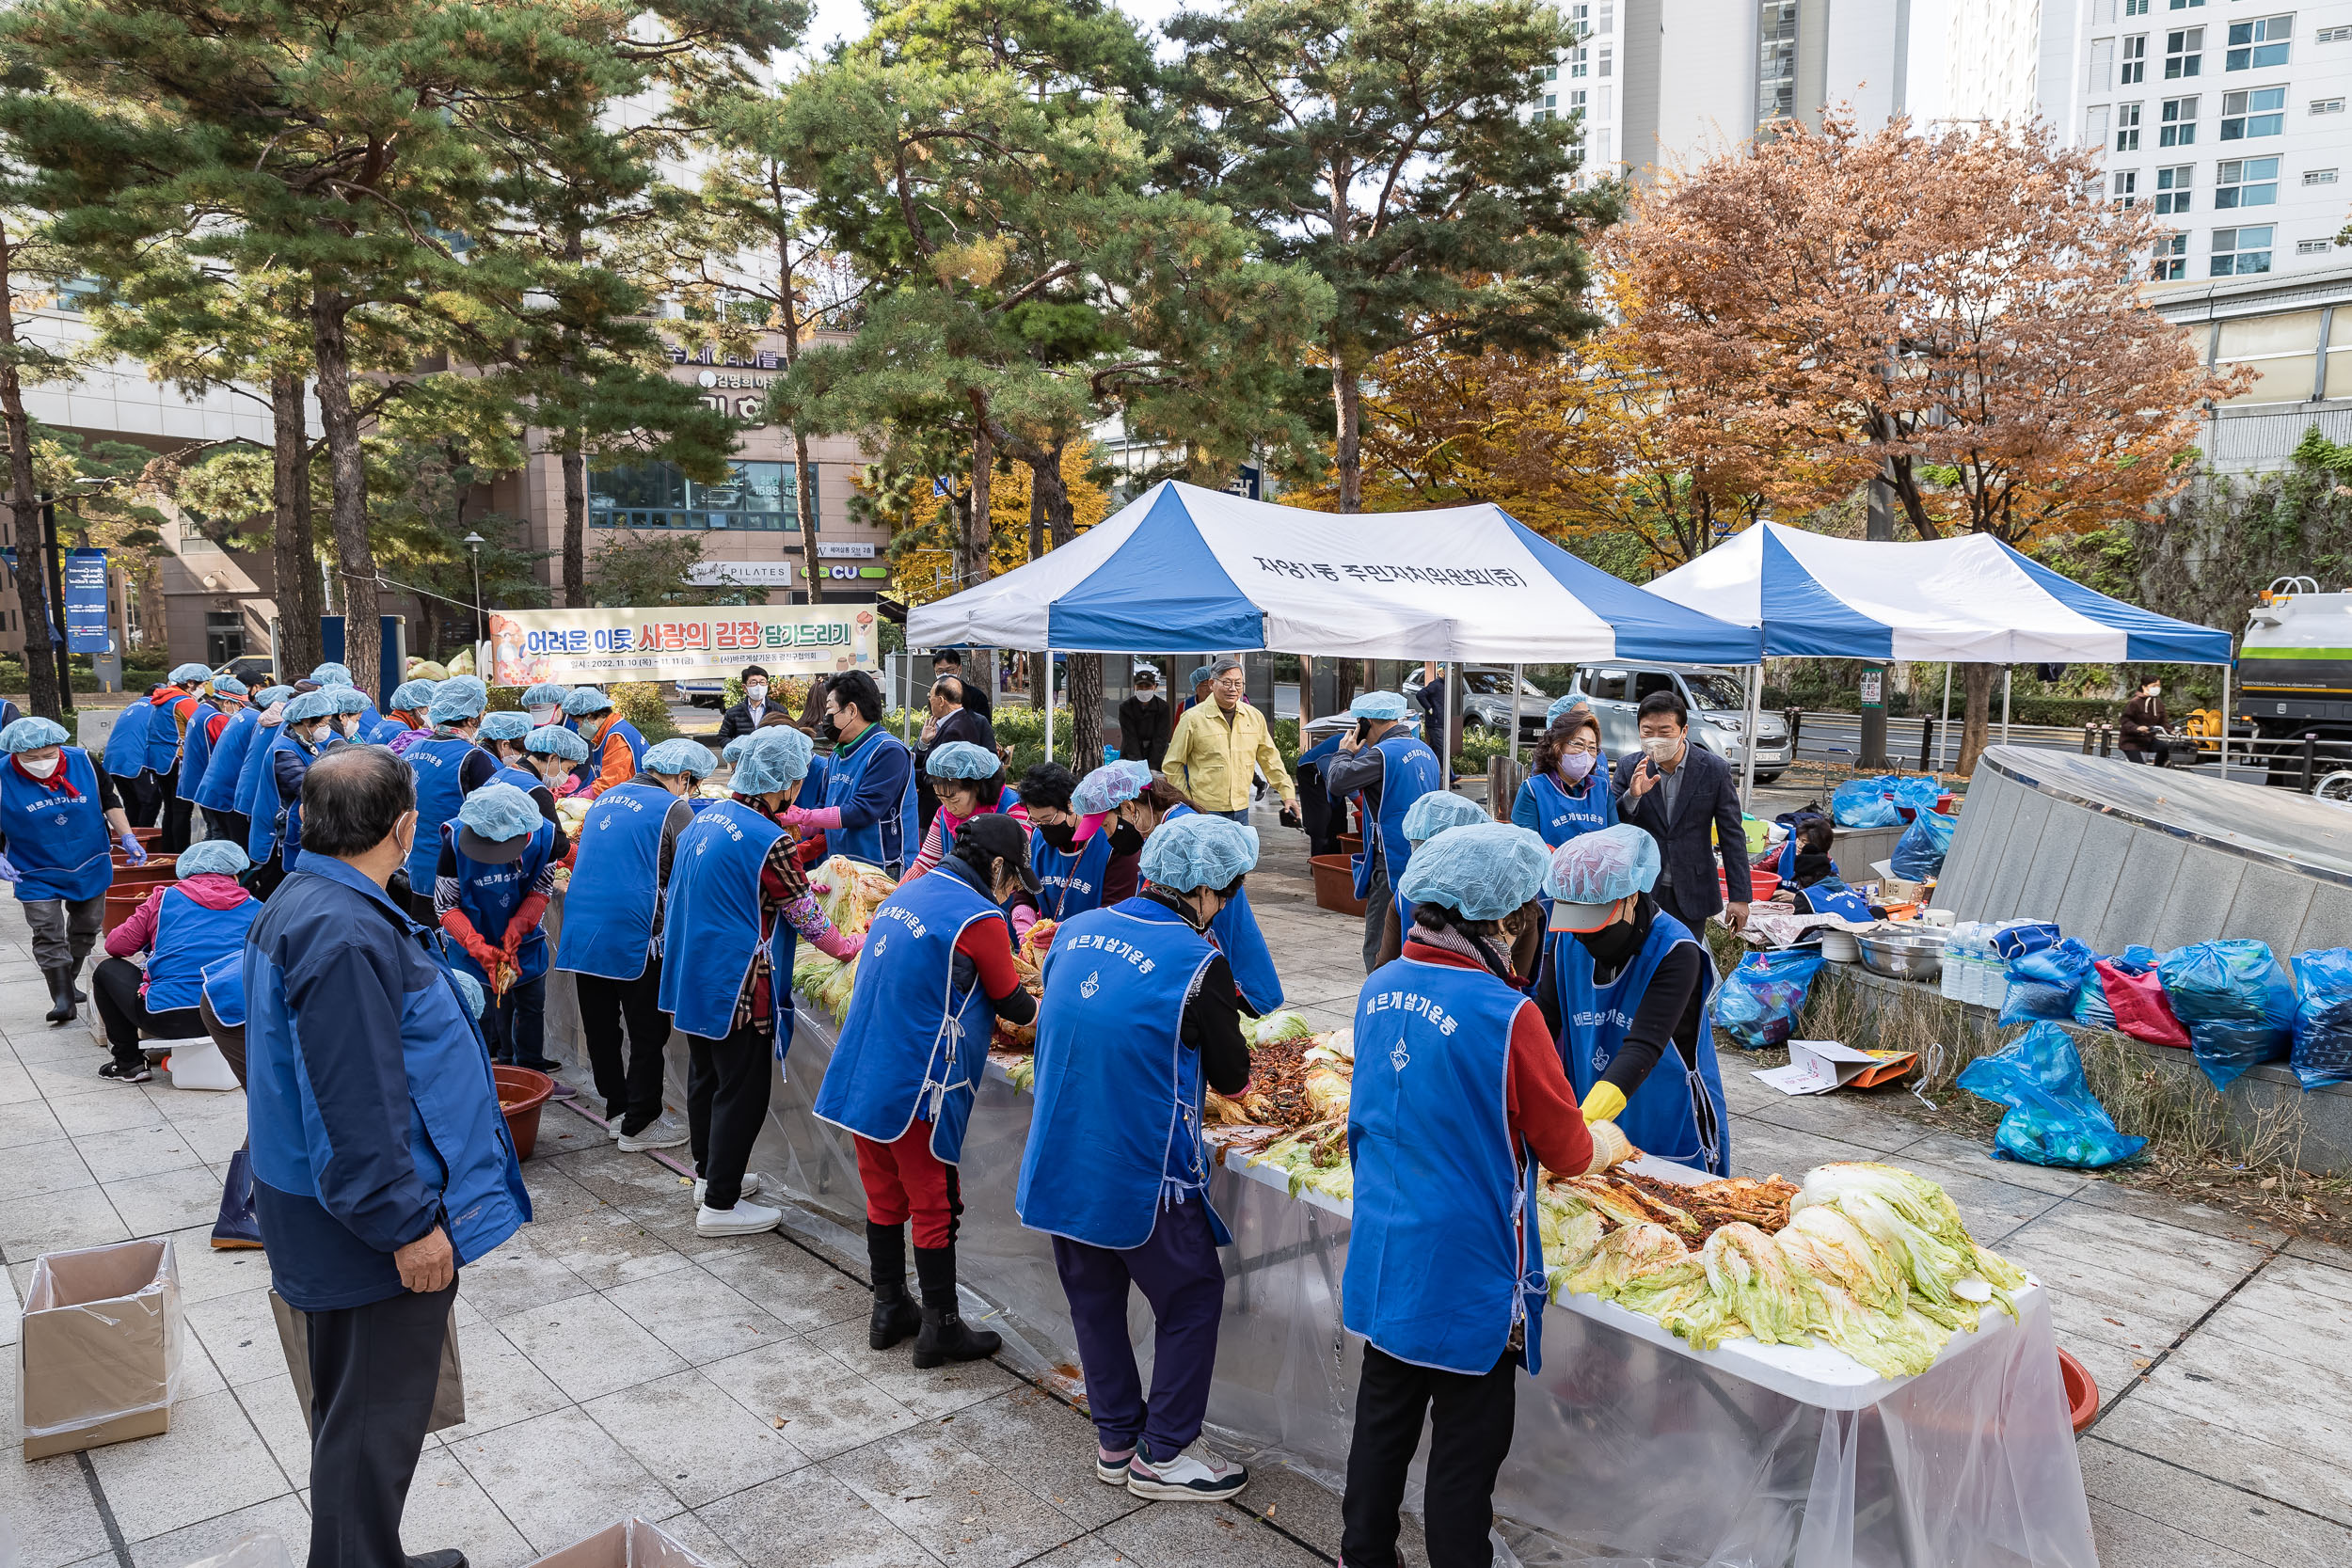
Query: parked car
{"x": 703, "y": 694}
{"x": 1718, "y": 700}
{"x": 1486, "y": 701}
{"x": 255, "y": 670}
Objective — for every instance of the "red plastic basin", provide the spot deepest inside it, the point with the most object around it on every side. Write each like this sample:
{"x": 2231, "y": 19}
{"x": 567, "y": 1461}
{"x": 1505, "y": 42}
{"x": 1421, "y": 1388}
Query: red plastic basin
{"x": 2082, "y": 1393}
{"x": 1335, "y": 885}
{"x": 522, "y": 1093}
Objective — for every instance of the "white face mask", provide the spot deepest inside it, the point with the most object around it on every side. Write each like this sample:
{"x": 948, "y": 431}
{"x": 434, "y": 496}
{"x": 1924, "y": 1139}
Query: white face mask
{"x": 351, "y": 727}
{"x": 320, "y": 735}
{"x": 1662, "y": 749}
{"x": 756, "y": 692}
{"x": 43, "y": 768}
{"x": 542, "y": 715}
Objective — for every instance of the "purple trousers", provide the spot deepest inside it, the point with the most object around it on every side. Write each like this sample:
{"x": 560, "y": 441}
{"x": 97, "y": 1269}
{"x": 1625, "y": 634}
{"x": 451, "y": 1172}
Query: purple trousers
{"x": 1178, "y": 1272}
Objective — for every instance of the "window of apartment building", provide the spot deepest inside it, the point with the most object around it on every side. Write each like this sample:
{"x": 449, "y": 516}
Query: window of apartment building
{"x": 2187, "y": 5}
{"x": 1604, "y": 59}
{"x": 1776, "y": 60}
{"x": 2326, "y": 106}
{"x": 2095, "y": 122}
{"x": 2172, "y": 187}
{"x": 1579, "y": 59}
{"x": 2179, "y": 122}
{"x": 2127, "y": 127}
{"x": 2282, "y": 349}
{"x": 2258, "y": 44}
{"x": 2134, "y": 60}
{"x": 1608, "y": 16}
{"x": 2313, "y": 247}
{"x": 2240, "y": 250}
{"x": 755, "y": 497}
{"x": 2125, "y": 187}
{"x": 2099, "y": 73}
{"x": 2171, "y": 258}
{"x": 2332, "y": 35}
{"x": 2183, "y": 53}
{"x": 2245, "y": 182}
{"x": 2135, "y": 8}
{"x": 2260, "y": 112}
{"x": 2319, "y": 177}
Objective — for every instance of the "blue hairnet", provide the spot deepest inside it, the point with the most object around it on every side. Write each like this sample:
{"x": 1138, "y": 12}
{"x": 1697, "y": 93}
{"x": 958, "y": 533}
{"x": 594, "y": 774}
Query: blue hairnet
{"x": 581, "y": 701}
{"x": 505, "y": 724}
{"x": 1560, "y": 707}
{"x": 1439, "y": 810}
{"x": 960, "y": 759}
{"x": 271, "y": 695}
{"x": 214, "y": 854}
{"x": 313, "y": 704}
{"x": 187, "y": 673}
{"x": 776, "y": 759}
{"x": 1604, "y": 867}
{"x": 691, "y": 757}
{"x": 545, "y": 695}
{"x": 1199, "y": 850}
{"x": 229, "y": 686}
{"x": 346, "y": 699}
{"x": 414, "y": 696}
{"x": 328, "y": 674}
{"x": 1377, "y": 705}
{"x": 1485, "y": 870}
{"x": 1110, "y": 787}
{"x": 31, "y": 735}
{"x": 500, "y": 811}
{"x": 733, "y": 750}
{"x": 1205, "y": 672}
{"x": 468, "y": 988}
{"x": 554, "y": 740}
{"x": 454, "y": 702}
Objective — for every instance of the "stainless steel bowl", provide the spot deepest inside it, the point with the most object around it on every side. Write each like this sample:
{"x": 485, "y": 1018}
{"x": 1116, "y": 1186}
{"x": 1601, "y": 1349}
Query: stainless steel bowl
{"x": 1902, "y": 955}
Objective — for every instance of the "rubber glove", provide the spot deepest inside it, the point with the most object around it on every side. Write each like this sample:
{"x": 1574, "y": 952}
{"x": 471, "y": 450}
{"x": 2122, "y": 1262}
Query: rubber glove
{"x": 1610, "y": 1147}
{"x": 570, "y": 788}
{"x": 1603, "y": 1103}
{"x": 1022, "y": 918}
{"x": 839, "y": 944}
{"x": 9, "y": 873}
{"x": 481, "y": 952}
{"x": 804, "y": 818}
{"x": 132, "y": 851}
{"x": 526, "y": 921}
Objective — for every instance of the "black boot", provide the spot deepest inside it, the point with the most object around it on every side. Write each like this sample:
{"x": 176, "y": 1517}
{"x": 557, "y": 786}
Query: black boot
{"x": 945, "y": 1337}
{"x": 73, "y": 981}
{"x": 895, "y": 1317}
{"x": 61, "y": 993}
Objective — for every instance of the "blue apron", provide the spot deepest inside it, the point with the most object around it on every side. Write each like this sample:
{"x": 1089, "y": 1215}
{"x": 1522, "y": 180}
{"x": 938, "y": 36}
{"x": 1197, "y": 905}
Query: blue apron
{"x": 223, "y": 985}
{"x": 218, "y": 789}
{"x": 1072, "y": 883}
{"x": 57, "y": 838}
{"x": 1831, "y": 896}
{"x": 609, "y": 908}
{"x": 189, "y": 939}
{"x": 1443, "y": 1253}
{"x": 1408, "y": 770}
{"x": 510, "y": 774}
{"x": 914, "y": 1045}
{"x": 489, "y": 894}
{"x": 1561, "y": 817}
{"x": 163, "y": 733}
{"x": 438, "y": 764}
{"x": 1116, "y": 1132}
{"x": 1237, "y": 934}
{"x": 1660, "y": 1116}
{"x": 198, "y": 754}
{"x": 378, "y": 729}
{"x": 255, "y": 796}
{"x": 126, "y": 743}
{"x": 266, "y": 806}
{"x": 812, "y": 791}
{"x": 713, "y": 916}
{"x": 885, "y": 842}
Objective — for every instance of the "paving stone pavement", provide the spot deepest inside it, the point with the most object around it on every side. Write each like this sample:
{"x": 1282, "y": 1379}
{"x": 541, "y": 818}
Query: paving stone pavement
{"x": 617, "y": 1363}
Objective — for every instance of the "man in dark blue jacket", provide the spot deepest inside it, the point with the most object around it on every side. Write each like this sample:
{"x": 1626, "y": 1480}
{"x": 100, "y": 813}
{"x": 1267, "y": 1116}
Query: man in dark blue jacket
{"x": 1677, "y": 792}
{"x": 359, "y": 1040}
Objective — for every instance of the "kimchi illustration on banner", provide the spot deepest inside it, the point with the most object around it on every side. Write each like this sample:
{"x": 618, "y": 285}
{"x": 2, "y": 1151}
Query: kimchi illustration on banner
{"x": 677, "y": 642}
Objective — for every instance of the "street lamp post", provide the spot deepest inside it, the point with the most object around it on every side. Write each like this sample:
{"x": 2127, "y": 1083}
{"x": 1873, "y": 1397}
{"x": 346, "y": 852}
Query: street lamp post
{"x": 480, "y": 625}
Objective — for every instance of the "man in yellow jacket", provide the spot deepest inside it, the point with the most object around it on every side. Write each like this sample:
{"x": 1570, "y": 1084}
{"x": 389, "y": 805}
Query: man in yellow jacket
{"x": 1218, "y": 747}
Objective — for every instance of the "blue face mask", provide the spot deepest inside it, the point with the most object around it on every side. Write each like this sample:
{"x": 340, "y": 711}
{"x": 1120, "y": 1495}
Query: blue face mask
{"x": 1574, "y": 766}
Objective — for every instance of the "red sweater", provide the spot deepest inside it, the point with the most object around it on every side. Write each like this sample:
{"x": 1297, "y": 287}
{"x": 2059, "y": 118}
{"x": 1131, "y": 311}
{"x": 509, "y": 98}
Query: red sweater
{"x": 1537, "y": 1098}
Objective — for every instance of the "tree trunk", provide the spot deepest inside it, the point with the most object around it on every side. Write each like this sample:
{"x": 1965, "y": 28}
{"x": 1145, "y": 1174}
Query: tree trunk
{"x": 1306, "y": 693}
{"x": 1347, "y": 393}
{"x": 32, "y": 592}
{"x": 575, "y": 527}
{"x": 355, "y": 565}
{"x": 804, "y": 472}
{"x": 972, "y": 551}
{"x": 293, "y": 556}
{"x": 1975, "y": 727}
{"x": 1086, "y": 669}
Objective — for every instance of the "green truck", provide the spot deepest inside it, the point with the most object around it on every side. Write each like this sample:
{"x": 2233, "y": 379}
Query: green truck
{"x": 2295, "y": 678}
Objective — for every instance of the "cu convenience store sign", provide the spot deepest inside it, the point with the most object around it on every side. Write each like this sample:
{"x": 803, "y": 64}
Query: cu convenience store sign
{"x": 594, "y": 646}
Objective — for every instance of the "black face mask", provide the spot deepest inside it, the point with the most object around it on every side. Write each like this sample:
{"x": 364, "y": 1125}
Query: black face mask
{"x": 1125, "y": 840}
{"x": 1612, "y": 946}
{"x": 826, "y": 729}
{"x": 1063, "y": 836}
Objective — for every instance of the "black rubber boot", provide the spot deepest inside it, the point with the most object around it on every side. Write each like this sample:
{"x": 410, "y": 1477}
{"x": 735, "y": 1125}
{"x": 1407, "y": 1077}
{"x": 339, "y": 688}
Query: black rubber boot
{"x": 895, "y": 1317}
{"x": 61, "y": 993}
{"x": 73, "y": 981}
{"x": 945, "y": 1336}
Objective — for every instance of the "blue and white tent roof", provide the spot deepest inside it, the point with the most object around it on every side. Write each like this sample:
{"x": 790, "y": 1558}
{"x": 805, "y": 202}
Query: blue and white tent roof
{"x": 1184, "y": 568}
{"x": 1969, "y": 597}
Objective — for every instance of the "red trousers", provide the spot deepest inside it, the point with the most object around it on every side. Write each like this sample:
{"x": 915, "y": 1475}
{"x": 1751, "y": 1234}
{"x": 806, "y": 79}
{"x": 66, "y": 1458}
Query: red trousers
{"x": 905, "y": 1178}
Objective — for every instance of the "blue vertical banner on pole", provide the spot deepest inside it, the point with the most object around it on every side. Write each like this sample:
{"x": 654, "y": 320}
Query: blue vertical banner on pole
{"x": 86, "y": 630}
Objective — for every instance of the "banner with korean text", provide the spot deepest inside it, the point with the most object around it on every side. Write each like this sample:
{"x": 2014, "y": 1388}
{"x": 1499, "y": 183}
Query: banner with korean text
{"x": 585, "y": 648}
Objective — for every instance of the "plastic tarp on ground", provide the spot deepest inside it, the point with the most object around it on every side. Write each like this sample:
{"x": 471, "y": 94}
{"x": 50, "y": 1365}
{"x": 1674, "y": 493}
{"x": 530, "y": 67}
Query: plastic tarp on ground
{"x": 1968, "y": 598}
{"x": 1184, "y": 568}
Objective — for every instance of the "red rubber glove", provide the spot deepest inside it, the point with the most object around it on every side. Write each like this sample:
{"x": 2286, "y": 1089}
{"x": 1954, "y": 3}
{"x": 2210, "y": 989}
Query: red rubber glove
{"x": 802, "y": 820}
{"x": 526, "y": 921}
{"x": 481, "y": 952}
{"x": 839, "y": 944}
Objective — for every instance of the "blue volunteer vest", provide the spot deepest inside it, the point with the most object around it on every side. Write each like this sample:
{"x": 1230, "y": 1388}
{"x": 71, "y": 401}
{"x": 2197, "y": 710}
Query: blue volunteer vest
{"x": 510, "y": 774}
{"x": 163, "y": 732}
{"x": 1070, "y": 884}
{"x": 197, "y": 755}
{"x": 712, "y": 929}
{"x": 1408, "y": 770}
{"x": 489, "y": 894}
{"x": 218, "y": 791}
{"x": 223, "y": 985}
{"x": 264, "y": 804}
{"x": 914, "y": 1044}
{"x": 57, "y": 838}
{"x": 812, "y": 791}
{"x": 1660, "y": 1116}
{"x": 1831, "y": 896}
{"x": 377, "y": 728}
{"x": 190, "y": 938}
{"x": 1444, "y": 1254}
{"x": 1561, "y": 817}
{"x": 884, "y": 843}
{"x": 437, "y": 764}
{"x": 1235, "y": 932}
{"x": 255, "y": 796}
{"x": 1117, "y": 1127}
{"x": 126, "y": 743}
{"x": 609, "y": 908}
{"x": 587, "y": 771}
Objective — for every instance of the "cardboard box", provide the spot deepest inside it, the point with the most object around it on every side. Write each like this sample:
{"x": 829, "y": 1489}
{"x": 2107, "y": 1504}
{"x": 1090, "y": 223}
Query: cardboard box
{"x": 98, "y": 1358}
{"x": 630, "y": 1543}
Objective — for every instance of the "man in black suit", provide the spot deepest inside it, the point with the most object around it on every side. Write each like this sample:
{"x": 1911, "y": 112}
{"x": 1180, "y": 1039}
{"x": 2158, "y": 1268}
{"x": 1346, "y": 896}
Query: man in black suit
{"x": 950, "y": 720}
{"x": 975, "y": 699}
{"x": 1675, "y": 792}
{"x": 747, "y": 715}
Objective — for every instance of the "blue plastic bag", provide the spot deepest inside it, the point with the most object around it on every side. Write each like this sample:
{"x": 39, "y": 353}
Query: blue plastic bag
{"x": 2090, "y": 1003}
{"x": 1758, "y": 1004}
{"x": 1916, "y": 794}
{"x": 2236, "y": 1001}
{"x": 2043, "y": 984}
{"x": 2054, "y": 1118}
{"x": 1919, "y": 853}
{"x": 1865, "y": 804}
{"x": 2323, "y": 1016}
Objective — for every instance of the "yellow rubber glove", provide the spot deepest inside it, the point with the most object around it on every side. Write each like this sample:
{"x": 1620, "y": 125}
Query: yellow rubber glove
{"x": 1610, "y": 1147}
{"x": 1603, "y": 1103}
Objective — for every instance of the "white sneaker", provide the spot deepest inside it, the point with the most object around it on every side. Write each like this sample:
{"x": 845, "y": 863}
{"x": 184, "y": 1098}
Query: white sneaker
{"x": 1196, "y": 1475}
{"x": 751, "y": 1184}
{"x": 664, "y": 1132}
{"x": 744, "y": 1219}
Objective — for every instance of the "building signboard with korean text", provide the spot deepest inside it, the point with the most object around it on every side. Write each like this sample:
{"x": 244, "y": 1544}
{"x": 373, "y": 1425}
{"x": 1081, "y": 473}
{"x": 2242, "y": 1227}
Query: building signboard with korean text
{"x": 680, "y": 643}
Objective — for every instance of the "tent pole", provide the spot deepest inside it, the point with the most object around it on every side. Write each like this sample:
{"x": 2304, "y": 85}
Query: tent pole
{"x": 1445, "y": 729}
{"x": 2225, "y": 723}
{"x": 1519, "y": 674}
{"x": 1049, "y": 705}
{"x": 1945, "y": 733}
{"x": 2005, "y": 675}
{"x": 1747, "y": 753}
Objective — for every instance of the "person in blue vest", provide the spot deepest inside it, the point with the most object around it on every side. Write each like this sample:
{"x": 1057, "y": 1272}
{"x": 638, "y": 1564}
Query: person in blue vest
{"x": 207, "y": 723}
{"x": 1432, "y": 814}
{"x": 545, "y": 703}
{"x": 492, "y": 882}
{"x": 870, "y": 810}
{"x": 216, "y": 793}
{"x": 60, "y": 819}
{"x": 1234, "y": 927}
{"x": 316, "y": 722}
{"x": 449, "y": 767}
{"x": 1624, "y": 988}
{"x": 411, "y": 700}
{"x": 1457, "y": 1096}
{"x": 126, "y": 758}
{"x": 184, "y": 927}
{"x": 733, "y": 905}
{"x": 505, "y": 734}
{"x": 614, "y": 744}
{"x": 256, "y": 789}
{"x": 611, "y": 927}
{"x": 1071, "y": 853}
{"x": 1131, "y": 802}
{"x": 969, "y": 781}
{"x": 1139, "y": 1014}
{"x": 176, "y": 710}
{"x": 936, "y": 974}
{"x": 550, "y": 752}
{"x": 1386, "y": 768}
{"x": 1566, "y": 792}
